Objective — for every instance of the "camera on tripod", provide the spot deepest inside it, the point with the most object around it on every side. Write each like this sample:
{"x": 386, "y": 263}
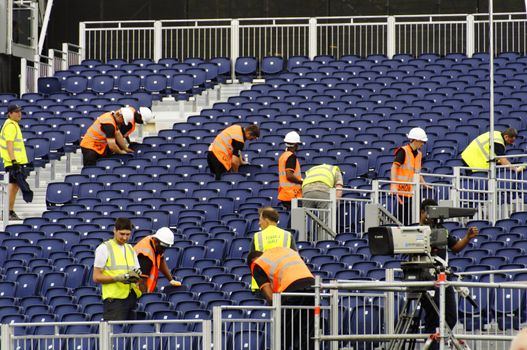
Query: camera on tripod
{"x": 417, "y": 242}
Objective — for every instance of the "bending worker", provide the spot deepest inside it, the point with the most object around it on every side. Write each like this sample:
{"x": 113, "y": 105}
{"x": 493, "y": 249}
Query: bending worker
{"x": 103, "y": 137}
{"x": 317, "y": 183}
{"x": 282, "y": 270}
{"x": 477, "y": 154}
{"x": 271, "y": 236}
{"x": 116, "y": 267}
{"x": 142, "y": 116}
{"x": 13, "y": 152}
{"x": 150, "y": 252}
{"x": 289, "y": 173}
{"x": 407, "y": 162}
{"x": 225, "y": 151}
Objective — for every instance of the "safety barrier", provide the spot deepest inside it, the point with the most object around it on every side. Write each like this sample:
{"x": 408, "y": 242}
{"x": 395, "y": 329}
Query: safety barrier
{"x": 4, "y": 200}
{"x": 377, "y": 310}
{"x": 337, "y": 36}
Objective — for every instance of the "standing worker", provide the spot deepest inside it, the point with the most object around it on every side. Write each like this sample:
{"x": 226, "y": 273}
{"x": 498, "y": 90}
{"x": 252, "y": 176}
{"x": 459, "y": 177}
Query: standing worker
{"x": 407, "y": 162}
{"x": 225, "y": 151}
{"x": 271, "y": 236}
{"x": 13, "y": 152}
{"x": 289, "y": 173}
{"x": 477, "y": 154}
{"x": 150, "y": 252}
{"x": 142, "y": 116}
{"x": 282, "y": 270}
{"x": 116, "y": 267}
{"x": 103, "y": 137}
{"x": 317, "y": 183}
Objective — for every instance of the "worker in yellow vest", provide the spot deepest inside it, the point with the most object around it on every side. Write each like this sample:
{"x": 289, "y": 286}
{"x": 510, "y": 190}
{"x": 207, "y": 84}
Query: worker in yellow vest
{"x": 289, "y": 172}
{"x": 317, "y": 183}
{"x": 407, "y": 162}
{"x": 270, "y": 236}
{"x": 477, "y": 154}
{"x": 282, "y": 270}
{"x": 224, "y": 153}
{"x": 13, "y": 152}
{"x": 117, "y": 269}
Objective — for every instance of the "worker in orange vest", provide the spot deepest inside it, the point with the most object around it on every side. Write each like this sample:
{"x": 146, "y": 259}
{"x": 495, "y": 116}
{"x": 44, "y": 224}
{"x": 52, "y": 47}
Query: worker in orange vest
{"x": 225, "y": 151}
{"x": 407, "y": 162}
{"x": 282, "y": 270}
{"x": 150, "y": 252}
{"x": 289, "y": 173}
{"x": 103, "y": 137}
{"x": 141, "y": 116}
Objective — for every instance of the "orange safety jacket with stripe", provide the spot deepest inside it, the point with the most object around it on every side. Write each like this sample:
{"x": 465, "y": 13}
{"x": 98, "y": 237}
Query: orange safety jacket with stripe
{"x": 146, "y": 247}
{"x": 405, "y": 172}
{"x": 95, "y": 138}
{"x": 283, "y": 267}
{"x": 222, "y": 148}
{"x": 288, "y": 190}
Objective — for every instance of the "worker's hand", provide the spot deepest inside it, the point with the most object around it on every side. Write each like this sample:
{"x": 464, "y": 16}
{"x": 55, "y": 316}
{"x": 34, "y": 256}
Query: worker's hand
{"x": 472, "y": 232}
{"x": 129, "y": 150}
{"x": 519, "y": 169}
{"x": 175, "y": 283}
{"x": 393, "y": 189}
{"x": 121, "y": 278}
{"x": 133, "y": 276}
{"x": 15, "y": 166}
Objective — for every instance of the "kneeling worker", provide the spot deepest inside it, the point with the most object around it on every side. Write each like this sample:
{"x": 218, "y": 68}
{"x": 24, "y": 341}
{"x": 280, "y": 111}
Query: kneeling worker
{"x": 150, "y": 252}
{"x": 282, "y": 270}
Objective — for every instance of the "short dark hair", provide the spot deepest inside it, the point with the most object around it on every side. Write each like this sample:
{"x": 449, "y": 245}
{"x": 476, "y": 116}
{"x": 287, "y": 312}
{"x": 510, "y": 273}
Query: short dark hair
{"x": 428, "y": 203}
{"x": 511, "y": 132}
{"x": 123, "y": 224}
{"x": 253, "y": 256}
{"x": 254, "y": 130}
{"x": 269, "y": 213}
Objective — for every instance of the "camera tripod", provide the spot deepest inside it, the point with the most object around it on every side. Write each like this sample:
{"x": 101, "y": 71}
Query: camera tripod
{"x": 408, "y": 323}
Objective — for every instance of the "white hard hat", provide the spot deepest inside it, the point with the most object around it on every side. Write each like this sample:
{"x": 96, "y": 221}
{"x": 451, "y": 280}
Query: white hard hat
{"x": 417, "y": 134}
{"x": 292, "y": 137}
{"x": 165, "y": 235}
{"x": 128, "y": 114}
{"x": 146, "y": 114}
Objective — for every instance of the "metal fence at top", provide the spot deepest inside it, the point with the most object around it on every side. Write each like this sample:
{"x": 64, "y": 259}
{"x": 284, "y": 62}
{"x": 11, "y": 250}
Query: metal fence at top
{"x": 337, "y": 36}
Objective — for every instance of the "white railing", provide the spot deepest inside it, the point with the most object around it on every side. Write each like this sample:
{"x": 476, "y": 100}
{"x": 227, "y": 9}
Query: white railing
{"x": 260, "y": 37}
{"x": 4, "y": 200}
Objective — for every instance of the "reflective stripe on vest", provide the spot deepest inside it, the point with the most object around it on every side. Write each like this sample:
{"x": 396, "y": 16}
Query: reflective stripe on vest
{"x": 145, "y": 247}
{"x": 271, "y": 237}
{"x": 95, "y": 138}
{"x": 324, "y": 173}
{"x": 283, "y": 266}
{"x": 19, "y": 147}
{"x": 222, "y": 144}
{"x": 288, "y": 190}
{"x": 477, "y": 153}
{"x": 406, "y": 171}
{"x": 118, "y": 264}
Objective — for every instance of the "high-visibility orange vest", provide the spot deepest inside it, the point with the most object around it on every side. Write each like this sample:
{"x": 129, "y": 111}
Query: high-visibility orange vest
{"x": 222, "y": 144}
{"x": 283, "y": 266}
{"x": 288, "y": 190}
{"x": 95, "y": 138}
{"x": 406, "y": 171}
{"x": 146, "y": 247}
{"x": 132, "y": 129}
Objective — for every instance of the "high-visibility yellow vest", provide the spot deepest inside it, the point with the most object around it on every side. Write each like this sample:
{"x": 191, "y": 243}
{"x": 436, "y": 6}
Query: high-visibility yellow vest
{"x": 269, "y": 238}
{"x": 118, "y": 264}
{"x": 477, "y": 153}
{"x": 18, "y": 145}
{"x": 325, "y": 173}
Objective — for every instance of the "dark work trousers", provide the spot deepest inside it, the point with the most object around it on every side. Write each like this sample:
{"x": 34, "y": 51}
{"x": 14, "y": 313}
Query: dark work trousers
{"x": 298, "y": 325}
{"x": 120, "y": 309}
{"x": 404, "y": 210}
{"x": 90, "y": 157}
{"x": 215, "y": 166}
{"x": 432, "y": 317}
